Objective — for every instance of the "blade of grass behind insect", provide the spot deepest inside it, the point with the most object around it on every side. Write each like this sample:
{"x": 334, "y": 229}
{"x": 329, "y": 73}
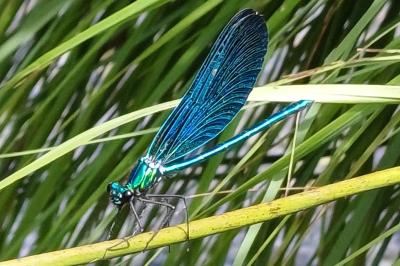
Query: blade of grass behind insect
{"x": 128, "y": 12}
{"x": 348, "y": 43}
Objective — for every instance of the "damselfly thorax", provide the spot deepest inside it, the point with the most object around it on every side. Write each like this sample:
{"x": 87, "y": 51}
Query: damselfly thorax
{"x": 143, "y": 176}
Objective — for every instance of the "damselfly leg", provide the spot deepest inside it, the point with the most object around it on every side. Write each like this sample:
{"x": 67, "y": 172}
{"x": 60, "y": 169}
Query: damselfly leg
{"x": 170, "y": 211}
{"x": 137, "y": 212}
{"x": 183, "y": 199}
{"x": 137, "y": 215}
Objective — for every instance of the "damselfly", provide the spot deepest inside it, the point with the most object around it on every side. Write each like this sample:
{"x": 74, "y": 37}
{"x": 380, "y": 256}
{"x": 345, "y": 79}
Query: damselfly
{"x": 216, "y": 95}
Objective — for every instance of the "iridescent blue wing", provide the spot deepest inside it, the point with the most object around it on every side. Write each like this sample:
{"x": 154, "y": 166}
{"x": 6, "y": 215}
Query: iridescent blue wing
{"x": 219, "y": 90}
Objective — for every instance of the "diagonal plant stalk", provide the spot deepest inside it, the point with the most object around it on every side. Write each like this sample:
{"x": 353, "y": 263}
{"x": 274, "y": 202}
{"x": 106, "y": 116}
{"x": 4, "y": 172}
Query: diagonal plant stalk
{"x": 215, "y": 224}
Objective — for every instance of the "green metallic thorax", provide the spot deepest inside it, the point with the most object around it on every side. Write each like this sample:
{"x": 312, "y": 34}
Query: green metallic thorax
{"x": 143, "y": 176}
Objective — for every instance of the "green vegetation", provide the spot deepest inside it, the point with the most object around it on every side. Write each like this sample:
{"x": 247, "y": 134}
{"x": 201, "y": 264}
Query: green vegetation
{"x": 85, "y": 84}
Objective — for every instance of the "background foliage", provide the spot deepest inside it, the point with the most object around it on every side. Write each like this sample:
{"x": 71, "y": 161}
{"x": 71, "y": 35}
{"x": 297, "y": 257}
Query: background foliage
{"x": 67, "y": 66}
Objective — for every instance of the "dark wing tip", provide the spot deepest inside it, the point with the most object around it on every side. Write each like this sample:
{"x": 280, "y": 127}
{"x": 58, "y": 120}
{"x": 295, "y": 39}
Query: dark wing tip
{"x": 255, "y": 19}
{"x": 246, "y": 12}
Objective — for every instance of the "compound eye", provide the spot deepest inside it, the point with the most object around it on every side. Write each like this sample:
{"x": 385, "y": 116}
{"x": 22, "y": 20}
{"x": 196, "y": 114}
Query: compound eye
{"x": 127, "y": 194}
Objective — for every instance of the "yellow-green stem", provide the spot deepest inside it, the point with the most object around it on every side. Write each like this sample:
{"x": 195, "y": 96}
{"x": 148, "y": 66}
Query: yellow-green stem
{"x": 215, "y": 224}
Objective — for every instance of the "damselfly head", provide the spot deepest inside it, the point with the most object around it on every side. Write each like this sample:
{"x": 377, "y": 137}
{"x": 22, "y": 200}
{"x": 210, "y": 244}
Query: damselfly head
{"x": 119, "y": 194}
